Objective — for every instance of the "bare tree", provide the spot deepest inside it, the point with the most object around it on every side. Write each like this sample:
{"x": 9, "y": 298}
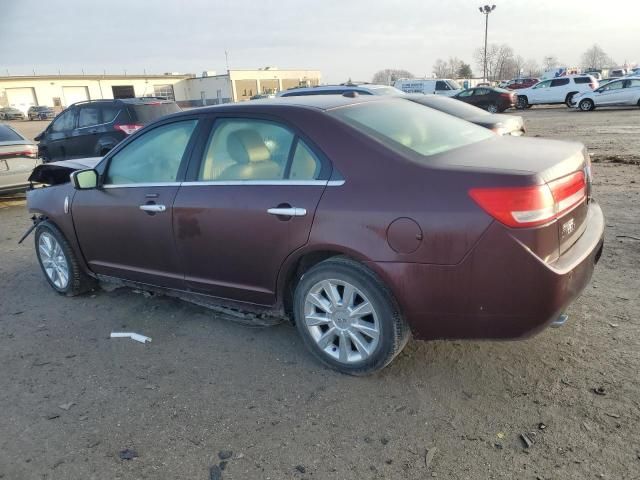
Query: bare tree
{"x": 440, "y": 68}
{"x": 596, "y": 58}
{"x": 501, "y": 61}
{"x": 389, "y": 75}
{"x": 531, "y": 68}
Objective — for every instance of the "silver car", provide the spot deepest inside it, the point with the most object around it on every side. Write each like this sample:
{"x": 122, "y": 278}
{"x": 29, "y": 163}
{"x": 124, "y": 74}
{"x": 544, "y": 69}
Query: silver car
{"x": 18, "y": 157}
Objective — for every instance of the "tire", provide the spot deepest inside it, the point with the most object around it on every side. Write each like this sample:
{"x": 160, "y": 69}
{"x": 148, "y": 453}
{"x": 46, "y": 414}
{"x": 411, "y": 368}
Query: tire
{"x": 60, "y": 257}
{"x": 345, "y": 342}
{"x": 522, "y": 103}
{"x": 492, "y": 108}
{"x": 586, "y": 105}
{"x": 567, "y": 100}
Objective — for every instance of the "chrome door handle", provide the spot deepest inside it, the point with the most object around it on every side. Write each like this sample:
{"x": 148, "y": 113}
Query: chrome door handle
{"x": 153, "y": 208}
{"x": 288, "y": 212}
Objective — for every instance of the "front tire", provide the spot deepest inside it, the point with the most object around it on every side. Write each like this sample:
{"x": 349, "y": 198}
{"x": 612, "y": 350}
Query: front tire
{"x": 522, "y": 103}
{"x": 493, "y": 108}
{"x": 59, "y": 263}
{"x": 348, "y": 318}
{"x": 586, "y": 105}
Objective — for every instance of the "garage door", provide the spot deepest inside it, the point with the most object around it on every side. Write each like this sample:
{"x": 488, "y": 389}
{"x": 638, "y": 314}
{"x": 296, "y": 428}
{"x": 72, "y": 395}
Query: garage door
{"x": 21, "y": 98}
{"x": 75, "y": 94}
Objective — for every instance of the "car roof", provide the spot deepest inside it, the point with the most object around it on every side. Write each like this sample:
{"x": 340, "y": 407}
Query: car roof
{"x": 128, "y": 101}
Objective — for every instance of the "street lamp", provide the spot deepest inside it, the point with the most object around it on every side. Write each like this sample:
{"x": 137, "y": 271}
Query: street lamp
{"x": 486, "y": 10}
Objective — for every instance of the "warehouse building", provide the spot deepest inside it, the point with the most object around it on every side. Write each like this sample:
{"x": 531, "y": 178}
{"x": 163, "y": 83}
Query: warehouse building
{"x": 60, "y": 91}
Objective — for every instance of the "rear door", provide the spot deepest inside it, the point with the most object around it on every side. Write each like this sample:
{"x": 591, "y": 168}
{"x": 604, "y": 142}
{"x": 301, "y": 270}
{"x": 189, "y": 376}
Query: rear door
{"x": 125, "y": 227}
{"x": 250, "y": 202}
{"x": 481, "y": 97}
{"x": 82, "y": 140}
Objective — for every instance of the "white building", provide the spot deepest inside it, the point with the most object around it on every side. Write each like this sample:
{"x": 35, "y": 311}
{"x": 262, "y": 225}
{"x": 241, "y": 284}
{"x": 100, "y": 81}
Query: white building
{"x": 236, "y": 85}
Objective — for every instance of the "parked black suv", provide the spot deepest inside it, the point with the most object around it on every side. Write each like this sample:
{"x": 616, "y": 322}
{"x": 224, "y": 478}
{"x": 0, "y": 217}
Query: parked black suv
{"x": 92, "y": 128}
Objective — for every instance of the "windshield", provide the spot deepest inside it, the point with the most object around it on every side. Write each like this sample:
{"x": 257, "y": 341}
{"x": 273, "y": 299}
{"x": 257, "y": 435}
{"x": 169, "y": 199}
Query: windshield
{"x": 449, "y": 105}
{"x": 392, "y": 91}
{"x": 41, "y": 109}
{"x": 149, "y": 112}
{"x": 398, "y": 123}
{"x": 8, "y": 135}
{"x": 454, "y": 85}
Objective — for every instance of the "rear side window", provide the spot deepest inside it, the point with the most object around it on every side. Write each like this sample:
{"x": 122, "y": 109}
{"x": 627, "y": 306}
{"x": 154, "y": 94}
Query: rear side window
{"x": 407, "y": 125}
{"x": 109, "y": 113}
{"x": 582, "y": 80}
{"x": 152, "y": 157}
{"x": 558, "y": 82}
{"x": 241, "y": 149}
{"x": 8, "y": 135}
{"x": 148, "y": 112}
{"x": 305, "y": 165}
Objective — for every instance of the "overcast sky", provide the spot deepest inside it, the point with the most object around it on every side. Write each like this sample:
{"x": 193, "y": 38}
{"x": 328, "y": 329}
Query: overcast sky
{"x": 342, "y": 38}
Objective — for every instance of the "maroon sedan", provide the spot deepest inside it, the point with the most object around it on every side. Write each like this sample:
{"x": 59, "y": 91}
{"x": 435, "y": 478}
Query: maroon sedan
{"x": 363, "y": 219}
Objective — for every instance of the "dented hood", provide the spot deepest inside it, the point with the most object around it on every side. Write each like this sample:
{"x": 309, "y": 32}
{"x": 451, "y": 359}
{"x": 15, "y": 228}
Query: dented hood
{"x": 55, "y": 173}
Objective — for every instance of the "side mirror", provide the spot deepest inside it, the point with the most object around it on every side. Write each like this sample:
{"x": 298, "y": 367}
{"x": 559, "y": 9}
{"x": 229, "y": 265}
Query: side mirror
{"x": 84, "y": 179}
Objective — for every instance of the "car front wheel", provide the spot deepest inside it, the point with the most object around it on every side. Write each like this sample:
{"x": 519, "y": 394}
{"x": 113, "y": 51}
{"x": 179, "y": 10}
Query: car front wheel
{"x": 522, "y": 103}
{"x": 586, "y": 105}
{"x": 58, "y": 262}
{"x": 348, "y": 318}
{"x": 493, "y": 108}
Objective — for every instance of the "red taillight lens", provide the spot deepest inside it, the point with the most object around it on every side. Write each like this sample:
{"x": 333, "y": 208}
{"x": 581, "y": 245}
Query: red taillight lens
{"x": 519, "y": 207}
{"x": 593, "y": 86}
{"x": 128, "y": 128}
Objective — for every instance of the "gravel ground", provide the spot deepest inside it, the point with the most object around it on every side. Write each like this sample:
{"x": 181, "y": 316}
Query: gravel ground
{"x": 71, "y": 399}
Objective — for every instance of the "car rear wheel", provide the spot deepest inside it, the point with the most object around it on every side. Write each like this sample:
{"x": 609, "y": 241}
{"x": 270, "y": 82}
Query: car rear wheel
{"x": 59, "y": 263}
{"x": 493, "y": 108}
{"x": 522, "y": 103}
{"x": 586, "y": 105}
{"x": 348, "y": 318}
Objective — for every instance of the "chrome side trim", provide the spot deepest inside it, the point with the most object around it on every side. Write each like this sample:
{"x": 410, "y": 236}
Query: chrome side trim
{"x": 237, "y": 183}
{"x": 150, "y": 184}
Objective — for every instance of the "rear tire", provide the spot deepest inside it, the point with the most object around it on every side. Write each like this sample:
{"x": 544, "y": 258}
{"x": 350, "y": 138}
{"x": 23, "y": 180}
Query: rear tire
{"x": 59, "y": 263}
{"x": 348, "y": 318}
{"x": 523, "y": 103}
{"x": 586, "y": 105}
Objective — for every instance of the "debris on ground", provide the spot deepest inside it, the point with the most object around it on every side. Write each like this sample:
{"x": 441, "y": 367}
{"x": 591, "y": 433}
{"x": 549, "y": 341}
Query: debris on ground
{"x": 215, "y": 473}
{"x": 127, "y": 454}
{"x": 301, "y": 468}
{"x": 599, "y": 391}
{"x": 428, "y": 456}
{"x": 541, "y": 426}
{"x": 528, "y": 443}
{"x": 66, "y": 406}
{"x": 225, "y": 454}
{"x": 223, "y": 464}
{"x": 133, "y": 336}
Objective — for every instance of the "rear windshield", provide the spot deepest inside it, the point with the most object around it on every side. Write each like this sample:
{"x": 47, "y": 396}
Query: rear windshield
{"x": 8, "y": 135}
{"x": 149, "y": 112}
{"x": 398, "y": 123}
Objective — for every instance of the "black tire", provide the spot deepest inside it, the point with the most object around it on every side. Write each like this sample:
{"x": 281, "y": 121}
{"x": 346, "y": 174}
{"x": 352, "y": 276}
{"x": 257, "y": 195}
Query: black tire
{"x": 586, "y": 105}
{"x": 523, "y": 103}
{"x": 78, "y": 282}
{"x": 568, "y": 98}
{"x": 493, "y": 108}
{"x": 394, "y": 331}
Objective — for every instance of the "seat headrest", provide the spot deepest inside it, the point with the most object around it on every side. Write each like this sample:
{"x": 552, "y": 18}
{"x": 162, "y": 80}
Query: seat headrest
{"x": 246, "y": 146}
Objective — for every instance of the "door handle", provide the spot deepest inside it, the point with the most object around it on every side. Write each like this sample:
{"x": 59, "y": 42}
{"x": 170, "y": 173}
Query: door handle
{"x": 153, "y": 208}
{"x": 288, "y": 212}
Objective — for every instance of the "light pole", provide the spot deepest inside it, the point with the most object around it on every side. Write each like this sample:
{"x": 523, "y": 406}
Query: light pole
{"x": 486, "y": 10}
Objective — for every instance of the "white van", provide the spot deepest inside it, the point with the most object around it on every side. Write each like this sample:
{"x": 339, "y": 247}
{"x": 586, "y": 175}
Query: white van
{"x": 438, "y": 86}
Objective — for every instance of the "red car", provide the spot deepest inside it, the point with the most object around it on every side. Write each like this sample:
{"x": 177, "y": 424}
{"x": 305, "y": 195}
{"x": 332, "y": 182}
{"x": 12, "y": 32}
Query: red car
{"x": 518, "y": 83}
{"x": 363, "y": 219}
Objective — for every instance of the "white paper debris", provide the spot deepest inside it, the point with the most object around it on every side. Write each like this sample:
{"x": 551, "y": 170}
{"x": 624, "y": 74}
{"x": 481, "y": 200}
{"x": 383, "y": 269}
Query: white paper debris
{"x": 133, "y": 336}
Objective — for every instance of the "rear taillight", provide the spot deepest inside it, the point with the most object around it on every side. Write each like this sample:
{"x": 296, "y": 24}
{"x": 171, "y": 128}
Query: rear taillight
{"x": 593, "y": 86}
{"x": 519, "y": 207}
{"x": 128, "y": 128}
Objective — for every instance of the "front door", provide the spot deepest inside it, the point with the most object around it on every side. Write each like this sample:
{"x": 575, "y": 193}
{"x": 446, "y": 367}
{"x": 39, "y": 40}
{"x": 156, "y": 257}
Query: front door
{"x": 249, "y": 205}
{"x": 611, "y": 94}
{"x": 58, "y": 135}
{"x": 125, "y": 227}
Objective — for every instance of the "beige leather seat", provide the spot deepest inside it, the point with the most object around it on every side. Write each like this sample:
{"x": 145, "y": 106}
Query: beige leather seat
{"x": 251, "y": 156}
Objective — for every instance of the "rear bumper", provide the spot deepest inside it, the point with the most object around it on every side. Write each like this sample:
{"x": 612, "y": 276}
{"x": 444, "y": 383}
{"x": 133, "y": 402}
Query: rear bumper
{"x": 501, "y": 290}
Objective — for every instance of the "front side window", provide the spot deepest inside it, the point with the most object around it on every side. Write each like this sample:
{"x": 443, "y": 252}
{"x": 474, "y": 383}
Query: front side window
{"x": 440, "y": 85}
{"x": 400, "y": 124}
{"x": 613, "y": 86}
{"x": 243, "y": 149}
{"x": 466, "y": 93}
{"x": 88, "y": 117}
{"x": 64, "y": 122}
{"x": 544, "y": 84}
{"x": 153, "y": 157}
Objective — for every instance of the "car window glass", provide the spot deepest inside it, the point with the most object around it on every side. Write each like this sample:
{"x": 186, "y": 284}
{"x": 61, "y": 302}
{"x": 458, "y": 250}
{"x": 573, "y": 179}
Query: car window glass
{"x": 109, "y": 113}
{"x": 153, "y": 157}
{"x": 305, "y": 165}
{"x": 558, "y": 82}
{"x": 544, "y": 84}
{"x": 8, "y": 135}
{"x": 64, "y": 122}
{"x": 240, "y": 149}
{"x": 466, "y": 93}
{"x": 582, "y": 80}
{"x": 634, "y": 82}
{"x": 481, "y": 91}
{"x": 613, "y": 86}
{"x": 440, "y": 85}
{"x": 88, "y": 117}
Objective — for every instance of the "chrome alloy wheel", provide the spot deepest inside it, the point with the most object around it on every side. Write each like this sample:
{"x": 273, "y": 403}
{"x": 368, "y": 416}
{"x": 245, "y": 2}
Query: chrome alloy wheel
{"x": 54, "y": 261}
{"x": 341, "y": 320}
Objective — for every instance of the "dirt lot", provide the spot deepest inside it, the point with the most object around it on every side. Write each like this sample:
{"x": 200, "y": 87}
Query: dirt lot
{"x": 206, "y": 385}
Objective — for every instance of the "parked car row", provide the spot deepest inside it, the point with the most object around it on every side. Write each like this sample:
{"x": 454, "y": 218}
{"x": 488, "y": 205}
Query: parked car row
{"x": 10, "y": 113}
{"x": 621, "y": 92}
{"x": 40, "y": 113}
{"x": 18, "y": 157}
